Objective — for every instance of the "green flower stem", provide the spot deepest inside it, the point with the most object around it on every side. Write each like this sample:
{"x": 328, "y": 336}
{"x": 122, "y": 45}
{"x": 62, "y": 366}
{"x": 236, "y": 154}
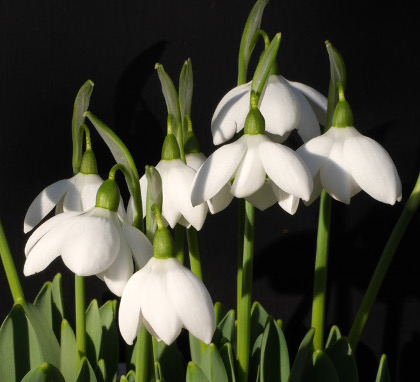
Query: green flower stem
{"x": 179, "y": 243}
{"x": 241, "y": 227}
{"x": 10, "y": 269}
{"x": 383, "y": 265}
{"x": 321, "y": 265}
{"x": 244, "y": 314}
{"x": 144, "y": 359}
{"x": 80, "y": 296}
{"x": 194, "y": 252}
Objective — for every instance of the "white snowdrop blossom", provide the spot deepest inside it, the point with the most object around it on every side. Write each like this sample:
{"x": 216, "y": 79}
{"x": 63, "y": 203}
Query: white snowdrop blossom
{"x": 285, "y": 106}
{"x": 248, "y": 162}
{"x": 345, "y": 162}
{"x": 96, "y": 242}
{"x": 223, "y": 198}
{"x": 177, "y": 179}
{"x": 165, "y": 297}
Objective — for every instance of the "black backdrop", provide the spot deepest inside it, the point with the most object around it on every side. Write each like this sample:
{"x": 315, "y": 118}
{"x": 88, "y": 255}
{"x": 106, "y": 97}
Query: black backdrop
{"x": 49, "y": 48}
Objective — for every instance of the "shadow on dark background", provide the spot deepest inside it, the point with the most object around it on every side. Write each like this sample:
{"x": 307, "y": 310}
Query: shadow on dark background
{"x": 50, "y": 48}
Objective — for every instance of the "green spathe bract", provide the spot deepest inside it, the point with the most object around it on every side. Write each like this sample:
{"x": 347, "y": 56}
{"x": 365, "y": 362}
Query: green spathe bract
{"x": 108, "y": 195}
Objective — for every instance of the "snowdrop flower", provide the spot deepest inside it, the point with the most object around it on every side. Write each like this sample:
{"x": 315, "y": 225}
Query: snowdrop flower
{"x": 345, "y": 161}
{"x": 96, "y": 242}
{"x": 165, "y": 297}
{"x": 177, "y": 179}
{"x": 285, "y": 106}
{"x": 248, "y": 162}
{"x": 75, "y": 194}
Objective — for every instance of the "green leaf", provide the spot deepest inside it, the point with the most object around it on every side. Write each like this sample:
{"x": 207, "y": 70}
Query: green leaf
{"x": 337, "y": 73}
{"x": 85, "y": 372}
{"x": 122, "y": 156}
{"x": 302, "y": 357}
{"x": 93, "y": 333}
{"x": 44, "y": 373}
{"x": 274, "y": 365}
{"x": 219, "y": 312}
{"x": 259, "y": 317}
{"x": 131, "y": 376}
{"x": 110, "y": 339}
{"x": 343, "y": 360}
{"x": 228, "y": 358}
{"x": 43, "y": 302}
{"x": 264, "y": 65}
{"x": 225, "y": 329}
{"x": 254, "y": 363}
{"x": 195, "y": 374}
{"x": 100, "y": 371}
{"x": 321, "y": 370}
{"x": 68, "y": 353}
{"x": 383, "y": 371}
{"x": 195, "y": 349}
{"x": 249, "y": 36}
{"x": 170, "y": 359}
{"x": 333, "y": 336}
{"x": 81, "y": 104}
{"x": 154, "y": 196}
{"x": 185, "y": 90}
{"x": 212, "y": 365}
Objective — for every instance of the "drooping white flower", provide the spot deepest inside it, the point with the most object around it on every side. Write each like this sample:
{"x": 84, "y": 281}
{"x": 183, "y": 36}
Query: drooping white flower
{"x": 248, "y": 162}
{"x": 165, "y": 296}
{"x": 285, "y": 106}
{"x": 96, "y": 242}
{"x": 345, "y": 161}
{"x": 223, "y": 198}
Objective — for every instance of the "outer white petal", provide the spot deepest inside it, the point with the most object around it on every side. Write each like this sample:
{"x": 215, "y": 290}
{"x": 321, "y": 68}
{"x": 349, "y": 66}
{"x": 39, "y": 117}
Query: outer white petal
{"x": 372, "y": 168}
{"x": 117, "y": 275}
{"x": 129, "y": 316}
{"x": 286, "y": 169}
{"x": 263, "y": 198}
{"x": 83, "y": 196}
{"x": 230, "y": 114}
{"x": 217, "y": 171}
{"x": 317, "y": 100}
{"x": 286, "y": 201}
{"x": 315, "y": 152}
{"x": 280, "y": 106}
{"x": 45, "y": 202}
{"x": 250, "y": 175}
{"x": 316, "y": 190}
{"x": 180, "y": 179}
{"x": 195, "y": 160}
{"x": 139, "y": 244}
{"x": 45, "y": 250}
{"x": 157, "y": 308}
{"x": 191, "y": 300}
{"x": 46, "y": 227}
{"x": 91, "y": 244}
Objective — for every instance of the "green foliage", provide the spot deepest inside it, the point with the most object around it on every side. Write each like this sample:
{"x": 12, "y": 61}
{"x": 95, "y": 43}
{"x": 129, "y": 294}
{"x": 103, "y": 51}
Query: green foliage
{"x": 383, "y": 371}
{"x": 44, "y": 373}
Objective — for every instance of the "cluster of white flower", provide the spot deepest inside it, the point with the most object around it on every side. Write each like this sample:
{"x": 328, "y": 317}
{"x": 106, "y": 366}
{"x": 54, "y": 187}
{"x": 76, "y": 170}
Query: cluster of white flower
{"x": 92, "y": 233}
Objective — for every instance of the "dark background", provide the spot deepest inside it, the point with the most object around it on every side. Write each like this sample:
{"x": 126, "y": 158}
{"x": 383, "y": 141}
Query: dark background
{"x": 49, "y": 48}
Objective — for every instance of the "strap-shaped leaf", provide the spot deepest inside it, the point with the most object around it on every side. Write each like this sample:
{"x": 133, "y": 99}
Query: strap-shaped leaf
{"x": 131, "y": 376}
{"x": 228, "y": 358}
{"x": 68, "y": 353}
{"x": 383, "y": 371}
{"x": 44, "y": 373}
{"x": 264, "y": 66}
{"x": 303, "y": 357}
{"x": 169, "y": 357}
{"x": 337, "y": 73}
{"x": 81, "y": 104}
{"x": 122, "y": 156}
{"x": 259, "y": 317}
{"x": 93, "y": 333}
{"x": 213, "y": 366}
{"x": 343, "y": 360}
{"x": 195, "y": 374}
{"x": 333, "y": 336}
{"x": 100, "y": 371}
{"x": 322, "y": 369}
{"x": 219, "y": 312}
{"x": 195, "y": 349}
{"x": 225, "y": 329}
{"x": 249, "y": 36}
{"x": 185, "y": 89}
{"x": 85, "y": 372}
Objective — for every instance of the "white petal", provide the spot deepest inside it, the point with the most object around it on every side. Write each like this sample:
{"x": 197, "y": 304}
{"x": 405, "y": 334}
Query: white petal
{"x": 230, "y": 114}
{"x": 119, "y": 272}
{"x": 92, "y": 244}
{"x": 41, "y": 253}
{"x": 157, "y": 308}
{"x": 250, "y": 175}
{"x": 316, "y": 192}
{"x": 315, "y": 152}
{"x": 372, "y": 168}
{"x": 82, "y": 196}
{"x": 286, "y": 169}
{"x": 180, "y": 179}
{"x": 195, "y": 160}
{"x": 139, "y": 244}
{"x": 286, "y": 201}
{"x": 129, "y": 316}
{"x": 216, "y": 171}
{"x": 191, "y": 300}
{"x": 263, "y": 198}
{"x": 221, "y": 200}
{"x": 45, "y": 202}
{"x": 317, "y": 100}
